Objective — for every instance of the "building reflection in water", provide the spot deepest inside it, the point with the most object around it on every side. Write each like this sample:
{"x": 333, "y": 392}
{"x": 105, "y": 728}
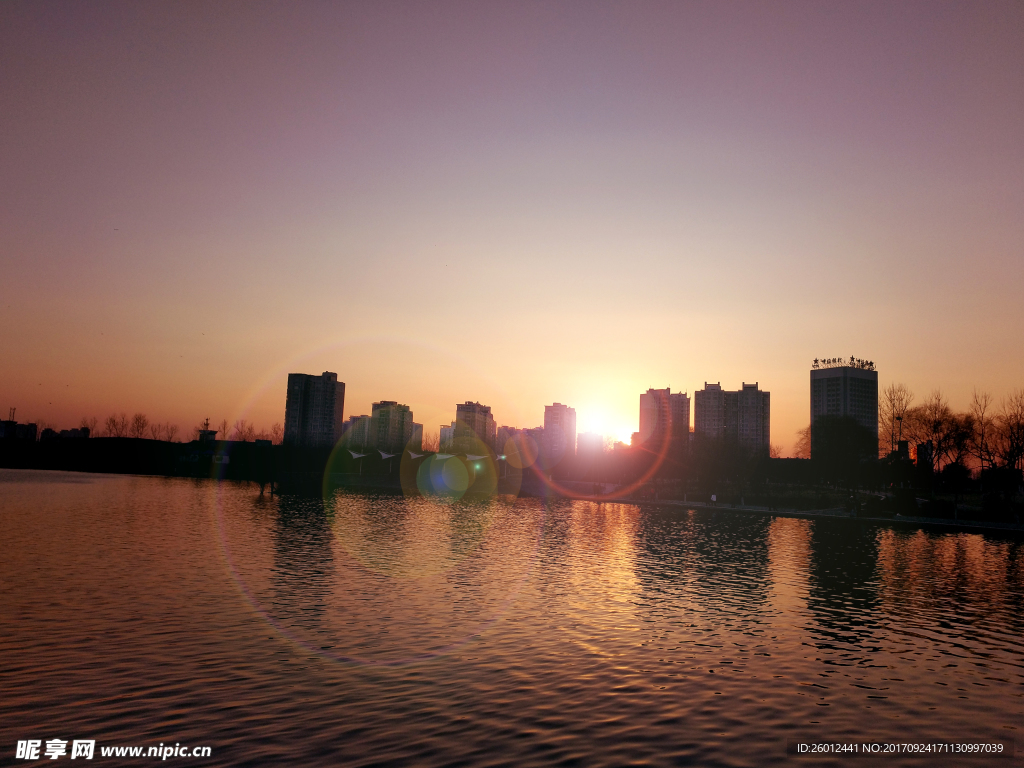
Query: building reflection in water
{"x": 602, "y": 540}
{"x": 789, "y": 547}
{"x": 302, "y": 575}
{"x": 586, "y": 586}
{"x": 396, "y": 580}
{"x": 709, "y": 564}
{"x": 964, "y": 585}
{"x": 412, "y": 537}
{"x": 843, "y": 588}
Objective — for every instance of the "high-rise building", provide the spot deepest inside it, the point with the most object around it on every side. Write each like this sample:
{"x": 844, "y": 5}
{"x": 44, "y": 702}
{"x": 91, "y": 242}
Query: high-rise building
{"x": 559, "y": 432}
{"x": 532, "y": 441}
{"x": 709, "y": 411}
{"x": 313, "y": 411}
{"x": 392, "y": 427}
{"x": 447, "y": 437}
{"x": 845, "y": 388}
{"x": 474, "y": 424}
{"x": 356, "y": 432}
{"x": 753, "y": 417}
{"x": 662, "y": 413}
{"x": 742, "y": 416}
{"x": 504, "y": 434}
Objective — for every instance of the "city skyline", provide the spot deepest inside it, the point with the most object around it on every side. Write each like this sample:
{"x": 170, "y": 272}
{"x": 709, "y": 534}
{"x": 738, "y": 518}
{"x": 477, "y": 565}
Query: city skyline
{"x": 544, "y": 382}
{"x": 353, "y": 423}
{"x": 519, "y": 204}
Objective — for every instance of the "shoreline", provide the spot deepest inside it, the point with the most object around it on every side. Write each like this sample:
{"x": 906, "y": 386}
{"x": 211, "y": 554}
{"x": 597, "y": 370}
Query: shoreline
{"x": 903, "y": 521}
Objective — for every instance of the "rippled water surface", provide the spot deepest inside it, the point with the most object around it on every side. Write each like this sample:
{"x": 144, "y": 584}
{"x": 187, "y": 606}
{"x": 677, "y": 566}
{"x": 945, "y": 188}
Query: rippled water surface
{"x": 385, "y": 631}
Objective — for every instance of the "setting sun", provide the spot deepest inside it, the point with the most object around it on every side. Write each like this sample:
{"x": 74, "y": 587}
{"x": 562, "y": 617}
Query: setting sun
{"x": 611, "y": 426}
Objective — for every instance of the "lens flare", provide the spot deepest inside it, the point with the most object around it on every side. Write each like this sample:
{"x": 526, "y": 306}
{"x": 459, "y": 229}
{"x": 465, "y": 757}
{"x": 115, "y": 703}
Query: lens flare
{"x": 408, "y": 541}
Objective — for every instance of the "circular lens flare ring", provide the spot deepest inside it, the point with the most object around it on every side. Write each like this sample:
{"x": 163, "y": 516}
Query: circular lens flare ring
{"x": 618, "y": 494}
{"x": 283, "y": 630}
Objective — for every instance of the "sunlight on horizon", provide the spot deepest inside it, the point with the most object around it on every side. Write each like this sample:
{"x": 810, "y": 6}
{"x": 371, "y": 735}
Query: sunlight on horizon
{"x": 608, "y": 424}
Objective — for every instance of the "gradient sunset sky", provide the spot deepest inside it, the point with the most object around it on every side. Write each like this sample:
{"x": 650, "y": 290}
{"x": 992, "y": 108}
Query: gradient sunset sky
{"x": 511, "y": 202}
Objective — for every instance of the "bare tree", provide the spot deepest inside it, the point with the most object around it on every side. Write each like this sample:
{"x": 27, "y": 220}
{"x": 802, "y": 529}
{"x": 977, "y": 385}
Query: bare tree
{"x": 958, "y": 438}
{"x": 223, "y": 429}
{"x": 89, "y": 424}
{"x": 930, "y": 422}
{"x": 170, "y": 430}
{"x": 243, "y": 431}
{"x": 1011, "y": 430}
{"x": 802, "y": 449}
{"x": 276, "y": 434}
{"x": 139, "y": 425}
{"x": 775, "y": 451}
{"x": 117, "y": 426}
{"x": 272, "y": 435}
{"x": 892, "y": 412}
{"x": 951, "y": 434}
{"x": 983, "y": 439}
{"x": 156, "y": 431}
{"x": 431, "y": 442}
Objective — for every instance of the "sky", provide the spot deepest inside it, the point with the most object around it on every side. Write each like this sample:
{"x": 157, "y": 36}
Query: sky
{"x": 516, "y": 203}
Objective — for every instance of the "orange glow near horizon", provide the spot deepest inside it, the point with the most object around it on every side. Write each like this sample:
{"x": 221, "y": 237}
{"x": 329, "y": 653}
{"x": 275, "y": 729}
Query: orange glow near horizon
{"x": 609, "y": 424}
{"x": 521, "y": 205}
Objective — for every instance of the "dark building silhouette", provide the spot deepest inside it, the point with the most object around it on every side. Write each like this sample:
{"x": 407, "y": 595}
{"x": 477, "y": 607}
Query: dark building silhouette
{"x": 473, "y": 421}
{"x": 391, "y": 427}
{"x": 559, "y": 432}
{"x": 12, "y": 430}
{"x": 843, "y": 390}
{"x": 742, "y": 416}
{"x": 313, "y": 413}
{"x": 664, "y": 412}
{"x": 504, "y": 434}
{"x": 356, "y": 432}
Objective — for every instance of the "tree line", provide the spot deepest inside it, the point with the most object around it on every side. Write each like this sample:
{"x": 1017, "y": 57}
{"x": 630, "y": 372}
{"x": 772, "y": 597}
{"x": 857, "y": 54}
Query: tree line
{"x": 985, "y": 436}
{"x": 140, "y": 426}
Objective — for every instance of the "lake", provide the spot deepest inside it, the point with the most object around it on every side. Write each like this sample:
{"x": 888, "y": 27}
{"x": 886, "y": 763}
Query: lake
{"x": 375, "y": 630}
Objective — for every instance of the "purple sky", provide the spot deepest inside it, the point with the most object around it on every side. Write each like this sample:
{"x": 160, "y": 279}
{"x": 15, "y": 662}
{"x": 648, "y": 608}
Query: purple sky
{"x": 515, "y": 203}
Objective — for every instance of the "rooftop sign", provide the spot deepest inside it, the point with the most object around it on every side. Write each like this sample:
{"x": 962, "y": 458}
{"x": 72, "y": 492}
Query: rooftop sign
{"x": 839, "y": 362}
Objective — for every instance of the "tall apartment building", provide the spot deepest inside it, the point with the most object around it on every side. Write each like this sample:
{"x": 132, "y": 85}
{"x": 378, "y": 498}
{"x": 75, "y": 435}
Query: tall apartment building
{"x": 473, "y": 422}
{"x": 356, "y": 432}
{"x": 845, "y": 388}
{"x": 313, "y": 411}
{"x": 709, "y": 411}
{"x": 753, "y": 417}
{"x": 742, "y": 416}
{"x": 392, "y": 428}
{"x": 664, "y": 413}
{"x": 504, "y": 434}
{"x": 559, "y": 431}
{"x": 532, "y": 440}
{"x": 447, "y": 436}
